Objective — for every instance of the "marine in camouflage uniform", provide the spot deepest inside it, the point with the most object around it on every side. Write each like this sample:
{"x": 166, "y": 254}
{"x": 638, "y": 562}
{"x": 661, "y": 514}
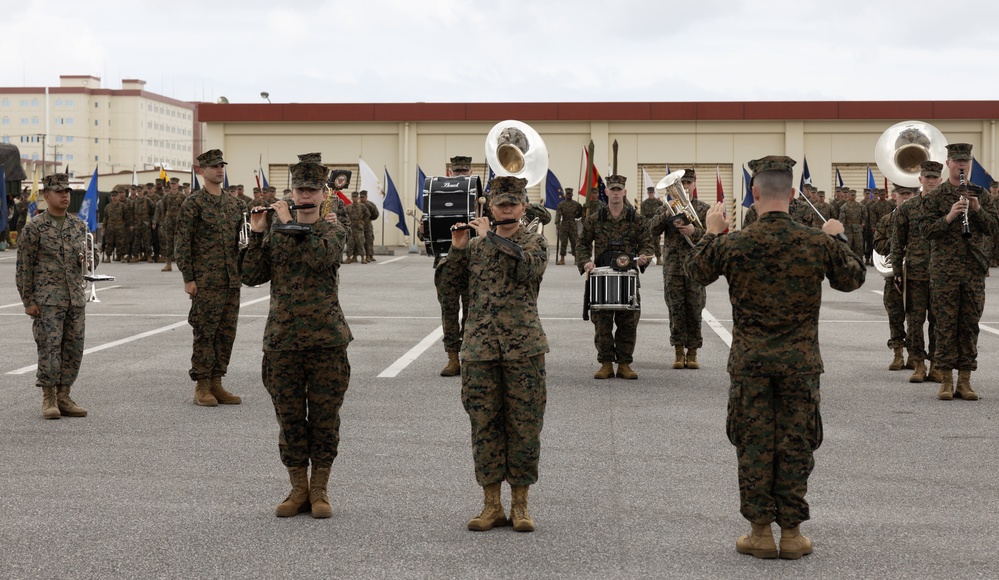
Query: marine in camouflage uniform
{"x": 503, "y": 355}
{"x": 910, "y": 247}
{"x": 141, "y": 215}
{"x": 207, "y": 251}
{"x": 775, "y": 270}
{"x": 826, "y": 209}
{"x": 750, "y": 217}
{"x": 610, "y": 230}
{"x": 851, "y": 215}
{"x": 305, "y": 367}
{"x": 685, "y": 298}
{"x": 369, "y": 229}
{"x": 359, "y": 218}
{"x": 537, "y": 211}
{"x": 116, "y": 222}
{"x": 651, "y": 205}
{"x": 49, "y": 278}
{"x": 566, "y": 214}
{"x": 172, "y": 202}
{"x": 892, "y": 295}
{"x": 958, "y": 267}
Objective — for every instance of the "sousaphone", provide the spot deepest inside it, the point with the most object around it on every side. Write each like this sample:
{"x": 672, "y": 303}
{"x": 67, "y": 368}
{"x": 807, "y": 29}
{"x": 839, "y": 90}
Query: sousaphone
{"x": 514, "y": 148}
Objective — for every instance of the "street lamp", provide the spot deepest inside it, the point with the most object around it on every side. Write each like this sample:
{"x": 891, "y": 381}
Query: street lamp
{"x": 265, "y": 95}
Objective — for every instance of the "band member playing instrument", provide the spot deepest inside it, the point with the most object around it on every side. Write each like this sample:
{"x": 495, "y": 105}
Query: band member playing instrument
{"x": 207, "y": 251}
{"x": 650, "y": 205}
{"x": 452, "y": 292}
{"x": 775, "y": 270}
{"x": 684, "y": 297}
{"x": 566, "y": 215}
{"x": 894, "y": 286}
{"x": 503, "y": 354}
{"x": 52, "y": 250}
{"x": 305, "y": 367}
{"x": 958, "y": 266}
{"x": 607, "y": 232}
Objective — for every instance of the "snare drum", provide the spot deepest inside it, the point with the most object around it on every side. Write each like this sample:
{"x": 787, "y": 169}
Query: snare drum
{"x": 611, "y": 289}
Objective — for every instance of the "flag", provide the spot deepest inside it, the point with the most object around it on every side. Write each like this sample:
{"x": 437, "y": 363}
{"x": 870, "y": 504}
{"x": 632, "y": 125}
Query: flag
{"x": 369, "y": 183}
{"x": 747, "y": 199}
{"x": 492, "y": 176}
{"x": 421, "y": 178}
{"x": 589, "y": 180}
{"x": 806, "y": 176}
{"x": 3, "y": 199}
{"x": 33, "y": 198}
{"x": 195, "y": 186}
{"x": 263, "y": 177}
{"x": 394, "y": 204}
{"x": 88, "y": 209}
{"x": 553, "y": 191}
{"x": 135, "y": 176}
{"x": 647, "y": 181}
{"x": 720, "y": 190}
{"x": 839, "y": 178}
{"x": 979, "y": 176}
{"x": 870, "y": 179}
{"x": 163, "y": 175}
{"x": 225, "y": 178}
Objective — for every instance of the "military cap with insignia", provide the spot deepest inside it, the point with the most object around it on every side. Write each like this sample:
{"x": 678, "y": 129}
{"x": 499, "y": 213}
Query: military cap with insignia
{"x": 616, "y": 181}
{"x": 56, "y": 182}
{"x": 930, "y": 168}
{"x": 353, "y": 194}
{"x": 771, "y": 163}
{"x": 308, "y": 174}
{"x": 650, "y": 189}
{"x": 507, "y": 189}
{"x": 461, "y": 163}
{"x": 689, "y": 175}
{"x": 568, "y": 191}
{"x": 211, "y": 157}
{"x": 959, "y": 151}
{"x": 310, "y": 158}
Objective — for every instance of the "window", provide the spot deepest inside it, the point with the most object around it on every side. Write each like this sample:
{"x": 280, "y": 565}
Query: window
{"x": 5, "y": 102}
{"x": 69, "y": 157}
{"x": 6, "y": 121}
{"x": 58, "y": 102}
{"x": 96, "y": 122}
{"x": 5, "y": 139}
{"x": 58, "y": 157}
{"x": 150, "y": 107}
{"x": 34, "y": 157}
{"x": 97, "y": 157}
{"x": 96, "y": 139}
{"x": 58, "y": 121}
{"x": 34, "y": 120}
{"x": 24, "y": 120}
{"x": 24, "y": 102}
{"x": 96, "y": 104}
{"x": 69, "y": 138}
{"x": 149, "y": 124}
{"x": 34, "y": 102}
{"x": 58, "y": 138}
{"x": 69, "y": 120}
{"x": 69, "y": 102}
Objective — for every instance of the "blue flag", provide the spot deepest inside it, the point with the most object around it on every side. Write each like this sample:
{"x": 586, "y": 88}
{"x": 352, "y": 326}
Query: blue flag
{"x": 3, "y": 199}
{"x": 421, "y": 178}
{"x": 492, "y": 176}
{"x": 806, "y": 176}
{"x": 839, "y": 178}
{"x": 225, "y": 178}
{"x": 747, "y": 200}
{"x": 195, "y": 186}
{"x": 870, "y": 181}
{"x": 393, "y": 203}
{"x": 88, "y": 209}
{"x": 979, "y": 176}
{"x": 553, "y": 191}
{"x": 263, "y": 178}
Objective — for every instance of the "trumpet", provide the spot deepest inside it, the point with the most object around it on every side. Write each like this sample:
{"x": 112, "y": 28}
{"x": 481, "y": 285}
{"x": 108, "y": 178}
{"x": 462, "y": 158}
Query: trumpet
{"x": 88, "y": 264}
{"x": 244, "y": 233}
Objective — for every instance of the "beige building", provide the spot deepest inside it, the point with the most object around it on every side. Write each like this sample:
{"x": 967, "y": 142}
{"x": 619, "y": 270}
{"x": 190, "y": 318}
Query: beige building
{"x": 714, "y": 138}
{"x": 81, "y": 124}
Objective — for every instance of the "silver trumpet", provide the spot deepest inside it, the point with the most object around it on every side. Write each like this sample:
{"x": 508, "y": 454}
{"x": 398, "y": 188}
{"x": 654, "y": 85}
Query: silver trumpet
{"x": 88, "y": 263}
{"x": 244, "y": 233}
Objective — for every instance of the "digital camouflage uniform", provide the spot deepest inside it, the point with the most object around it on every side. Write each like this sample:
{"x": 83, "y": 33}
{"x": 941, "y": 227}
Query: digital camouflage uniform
{"x": 116, "y": 222}
{"x": 685, "y": 298}
{"x": 827, "y": 210}
{"x": 749, "y": 217}
{"x": 566, "y": 214}
{"x": 633, "y": 234}
{"x": 539, "y": 212}
{"x": 775, "y": 270}
{"x": 142, "y": 209}
{"x": 369, "y": 229}
{"x": 49, "y": 275}
{"x": 207, "y": 251}
{"x": 359, "y": 220}
{"x": 892, "y": 298}
{"x": 851, "y": 215}
{"x": 650, "y": 206}
{"x": 503, "y": 357}
{"x": 172, "y": 202}
{"x": 305, "y": 367}
{"x": 910, "y": 244}
{"x": 958, "y": 267}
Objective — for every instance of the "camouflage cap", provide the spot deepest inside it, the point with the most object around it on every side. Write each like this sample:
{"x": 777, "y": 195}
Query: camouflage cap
{"x": 567, "y": 191}
{"x": 256, "y": 190}
{"x": 285, "y": 191}
{"x": 174, "y": 180}
{"x": 160, "y": 181}
{"x": 689, "y": 175}
{"x": 959, "y": 151}
{"x": 310, "y": 158}
{"x": 363, "y": 193}
{"x": 307, "y": 175}
{"x": 650, "y": 189}
{"x": 353, "y": 194}
{"x": 930, "y": 168}
{"x": 507, "y": 189}
{"x": 185, "y": 184}
{"x": 210, "y": 158}
{"x": 56, "y": 182}
{"x": 616, "y": 181}
{"x": 771, "y": 163}
{"x": 994, "y": 183}
{"x": 150, "y": 185}
{"x": 461, "y": 163}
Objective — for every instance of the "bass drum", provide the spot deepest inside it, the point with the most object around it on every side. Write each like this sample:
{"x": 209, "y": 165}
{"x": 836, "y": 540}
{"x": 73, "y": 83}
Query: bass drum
{"x": 447, "y": 201}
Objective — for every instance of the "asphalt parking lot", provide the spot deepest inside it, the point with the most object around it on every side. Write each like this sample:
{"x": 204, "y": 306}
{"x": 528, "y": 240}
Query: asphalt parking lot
{"x": 637, "y": 477}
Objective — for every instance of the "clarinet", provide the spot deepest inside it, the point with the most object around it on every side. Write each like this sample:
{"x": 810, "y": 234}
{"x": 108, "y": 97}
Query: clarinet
{"x": 963, "y": 188}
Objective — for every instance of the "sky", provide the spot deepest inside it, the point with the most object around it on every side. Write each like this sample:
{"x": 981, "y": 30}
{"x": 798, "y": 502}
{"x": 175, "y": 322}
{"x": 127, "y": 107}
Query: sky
{"x": 401, "y": 51}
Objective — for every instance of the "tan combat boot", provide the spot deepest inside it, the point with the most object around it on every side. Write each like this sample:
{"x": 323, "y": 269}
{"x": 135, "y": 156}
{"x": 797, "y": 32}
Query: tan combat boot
{"x": 364, "y": 259}
{"x": 349, "y": 260}
{"x": 521, "y": 520}
{"x": 897, "y": 362}
{"x": 168, "y": 267}
{"x": 371, "y": 258}
{"x": 492, "y": 515}
{"x": 946, "y": 392}
{"x": 934, "y": 375}
{"x": 793, "y": 544}
{"x": 133, "y": 260}
{"x": 606, "y": 371}
{"x": 680, "y": 357}
{"x": 320, "y": 500}
{"x": 50, "y": 405}
{"x": 221, "y": 395}
{"x": 67, "y": 406}
{"x": 150, "y": 259}
{"x": 203, "y": 394}
{"x": 297, "y": 501}
{"x": 453, "y": 366}
{"x": 624, "y": 371}
{"x": 692, "y": 359}
{"x": 560, "y": 261}
{"x": 918, "y": 375}
{"x": 910, "y": 362}
{"x": 964, "y": 390}
{"x": 759, "y": 543}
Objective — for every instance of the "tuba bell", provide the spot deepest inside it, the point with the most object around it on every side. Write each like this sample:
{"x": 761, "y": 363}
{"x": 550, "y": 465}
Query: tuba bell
{"x": 514, "y": 148}
{"x": 903, "y": 146}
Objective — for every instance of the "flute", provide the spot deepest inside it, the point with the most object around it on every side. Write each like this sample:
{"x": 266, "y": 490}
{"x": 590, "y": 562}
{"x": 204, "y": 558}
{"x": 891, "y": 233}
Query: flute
{"x": 291, "y": 207}
{"x": 491, "y": 224}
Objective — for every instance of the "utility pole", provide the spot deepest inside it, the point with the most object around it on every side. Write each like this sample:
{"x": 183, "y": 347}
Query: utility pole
{"x": 55, "y": 155}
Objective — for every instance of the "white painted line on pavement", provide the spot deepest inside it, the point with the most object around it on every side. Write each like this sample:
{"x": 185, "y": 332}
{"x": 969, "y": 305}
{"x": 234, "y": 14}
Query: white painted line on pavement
{"x": 22, "y": 305}
{"x": 413, "y": 354}
{"x": 878, "y": 292}
{"x": 717, "y": 327}
{"x": 392, "y": 260}
{"x": 987, "y": 328}
{"x": 133, "y": 338}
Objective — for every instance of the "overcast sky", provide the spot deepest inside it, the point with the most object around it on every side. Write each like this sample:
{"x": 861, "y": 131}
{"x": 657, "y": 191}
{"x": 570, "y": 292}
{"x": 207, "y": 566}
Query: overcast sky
{"x": 371, "y": 51}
